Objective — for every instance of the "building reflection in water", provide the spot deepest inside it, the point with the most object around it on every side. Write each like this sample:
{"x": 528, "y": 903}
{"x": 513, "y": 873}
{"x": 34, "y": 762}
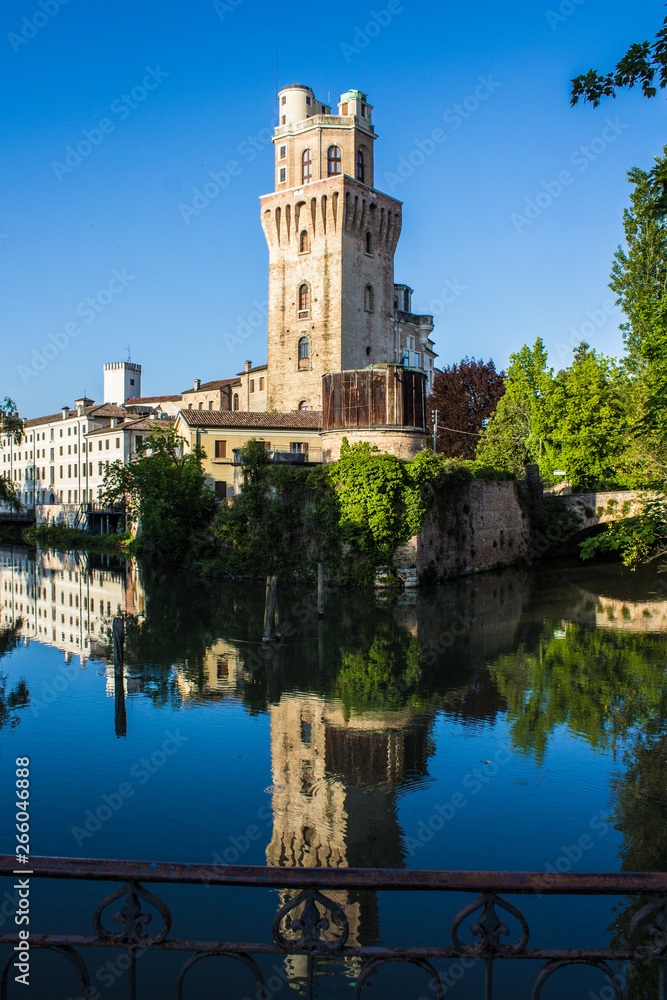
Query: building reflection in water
{"x": 67, "y": 599}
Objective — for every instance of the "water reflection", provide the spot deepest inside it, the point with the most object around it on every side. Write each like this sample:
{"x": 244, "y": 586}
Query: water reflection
{"x": 354, "y": 701}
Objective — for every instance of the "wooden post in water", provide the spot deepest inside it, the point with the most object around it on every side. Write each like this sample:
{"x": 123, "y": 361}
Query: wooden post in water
{"x": 270, "y": 608}
{"x": 320, "y": 590}
{"x": 118, "y": 631}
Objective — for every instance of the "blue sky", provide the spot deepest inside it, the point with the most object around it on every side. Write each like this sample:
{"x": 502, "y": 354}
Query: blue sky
{"x": 200, "y": 81}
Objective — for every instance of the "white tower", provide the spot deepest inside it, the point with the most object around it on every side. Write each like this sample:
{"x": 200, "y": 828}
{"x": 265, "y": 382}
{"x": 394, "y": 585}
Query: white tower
{"x": 122, "y": 381}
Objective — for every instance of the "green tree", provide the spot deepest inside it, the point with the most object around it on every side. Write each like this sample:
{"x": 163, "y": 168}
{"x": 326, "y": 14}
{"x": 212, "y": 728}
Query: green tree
{"x": 588, "y": 414}
{"x": 165, "y": 491}
{"x": 513, "y": 438}
{"x": 12, "y": 426}
{"x": 640, "y": 65}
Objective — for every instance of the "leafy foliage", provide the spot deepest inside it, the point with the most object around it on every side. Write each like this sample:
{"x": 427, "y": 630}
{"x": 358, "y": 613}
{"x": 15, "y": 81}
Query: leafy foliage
{"x": 645, "y": 63}
{"x": 11, "y": 425}
{"x": 166, "y": 493}
{"x": 464, "y": 395}
{"x": 637, "y": 539}
{"x": 577, "y": 420}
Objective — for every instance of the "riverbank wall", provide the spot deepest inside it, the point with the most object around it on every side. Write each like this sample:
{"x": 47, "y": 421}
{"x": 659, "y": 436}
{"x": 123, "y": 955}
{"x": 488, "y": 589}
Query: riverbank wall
{"x": 485, "y": 525}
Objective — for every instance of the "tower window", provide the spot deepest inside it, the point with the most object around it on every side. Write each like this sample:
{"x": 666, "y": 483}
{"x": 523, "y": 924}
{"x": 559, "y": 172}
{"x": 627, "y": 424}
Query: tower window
{"x": 308, "y": 100}
{"x": 252, "y": 385}
{"x": 304, "y": 305}
{"x": 304, "y": 353}
{"x": 360, "y": 165}
{"x": 236, "y": 401}
{"x": 283, "y": 152}
{"x": 369, "y": 243}
{"x": 304, "y": 242}
{"x": 306, "y": 167}
{"x": 283, "y": 120}
{"x": 369, "y": 298}
{"x": 333, "y": 161}
{"x": 282, "y": 175}
{"x": 283, "y": 100}
{"x": 344, "y": 108}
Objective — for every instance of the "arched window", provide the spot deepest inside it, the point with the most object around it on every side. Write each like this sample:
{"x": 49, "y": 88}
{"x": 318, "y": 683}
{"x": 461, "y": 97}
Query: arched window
{"x": 360, "y": 165}
{"x": 304, "y": 243}
{"x": 304, "y": 301}
{"x": 333, "y": 161}
{"x": 306, "y": 167}
{"x": 368, "y": 298}
{"x": 369, "y": 243}
{"x": 304, "y": 353}
{"x": 396, "y": 302}
{"x": 304, "y": 405}
{"x": 236, "y": 400}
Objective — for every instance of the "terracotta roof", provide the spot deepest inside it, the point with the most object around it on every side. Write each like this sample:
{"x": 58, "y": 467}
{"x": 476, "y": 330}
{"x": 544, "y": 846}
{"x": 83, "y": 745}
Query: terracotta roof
{"x": 257, "y": 368}
{"x": 152, "y": 399}
{"x": 101, "y": 410}
{"x": 298, "y": 419}
{"x": 220, "y": 383}
{"x": 134, "y": 424}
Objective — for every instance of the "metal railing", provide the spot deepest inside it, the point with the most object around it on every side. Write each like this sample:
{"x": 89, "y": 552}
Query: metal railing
{"x": 313, "y": 925}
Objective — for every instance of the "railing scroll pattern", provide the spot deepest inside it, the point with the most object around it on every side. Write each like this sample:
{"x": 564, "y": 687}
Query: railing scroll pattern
{"x": 309, "y": 923}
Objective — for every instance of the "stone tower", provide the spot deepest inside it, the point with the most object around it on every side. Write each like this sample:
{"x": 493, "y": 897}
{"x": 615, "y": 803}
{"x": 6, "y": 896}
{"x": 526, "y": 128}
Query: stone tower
{"x": 332, "y": 240}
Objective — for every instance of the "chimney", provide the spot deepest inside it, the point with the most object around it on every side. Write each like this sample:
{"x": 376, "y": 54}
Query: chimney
{"x": 248, "y": 365}
{"x": 65, "y": 412}
{"x": 197, "y": 384}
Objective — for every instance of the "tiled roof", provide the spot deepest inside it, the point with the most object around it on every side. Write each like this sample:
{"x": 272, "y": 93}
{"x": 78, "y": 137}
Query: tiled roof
{"x": 133, "y": 424}
{"x": 220, "y": 383}
{"x": 257, "y": 368}
{"x": 298, "y": 419}
{"x": 101, "y": 410}
{"x": 152, "y": 399}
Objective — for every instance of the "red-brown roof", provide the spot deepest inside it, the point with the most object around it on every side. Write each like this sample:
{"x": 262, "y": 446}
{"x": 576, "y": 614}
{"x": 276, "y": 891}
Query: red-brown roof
{"x": 298, "y": 419}
{"x": 220, "y": 383}
{"x": 152, "y": 399}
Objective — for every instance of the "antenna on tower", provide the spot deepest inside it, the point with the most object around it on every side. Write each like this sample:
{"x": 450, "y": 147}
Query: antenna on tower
{"x": 129, "y": 356}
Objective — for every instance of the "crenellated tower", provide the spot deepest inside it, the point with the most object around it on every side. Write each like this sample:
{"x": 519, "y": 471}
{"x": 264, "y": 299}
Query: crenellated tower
{"x": 332, "y": 239}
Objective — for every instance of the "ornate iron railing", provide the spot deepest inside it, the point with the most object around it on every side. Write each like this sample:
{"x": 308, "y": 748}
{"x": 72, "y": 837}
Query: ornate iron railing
{"x": 311, "y": 924}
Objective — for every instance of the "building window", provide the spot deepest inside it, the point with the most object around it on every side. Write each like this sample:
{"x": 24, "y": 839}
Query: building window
{"x": 220, "y": 490}
{"x": 283, "y": 152}
{"x": 221, "y": 449}
{"x": 369, "y": 243}
{"x": 210, "y": 404}
{"x": 283, "y": 100}
{"x": 283, "y": 175}
{"x": 360, "y": 166}
{"x": 304, "y": 405}
{"x": 236, "y": 401}
{"x": 201, "y": 406}
{"x": 304, "y": 353}
{"x": 333, "y": 161}
{"x": 303, "y": 301}
{"x": 283, "y": 120}
{"x": 308, "y": 100}
{"x": 252, "y": 385}
{"x": 344, "y": 108}
{"x": 304, "y": 243}
{"x": 189, "y": 406}
{"x": 261, "y": 385}
{"x": 131, "y": 381}
{"x": 298, "y": 447}
{"x": 306, "y": 167}
{"x": 369, "y": 298}
{"x": 117, "y": 443}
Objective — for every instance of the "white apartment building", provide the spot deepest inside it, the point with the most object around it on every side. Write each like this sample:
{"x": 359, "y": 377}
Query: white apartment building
{"x": 64, "y": 456}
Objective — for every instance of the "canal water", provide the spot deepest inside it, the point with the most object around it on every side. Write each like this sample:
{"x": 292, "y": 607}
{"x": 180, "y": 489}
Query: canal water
{"x": 509, "y": 721}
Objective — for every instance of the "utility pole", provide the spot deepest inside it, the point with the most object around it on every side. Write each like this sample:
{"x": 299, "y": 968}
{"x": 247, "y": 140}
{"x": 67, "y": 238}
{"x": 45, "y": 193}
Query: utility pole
{"x": 435, "y": 429}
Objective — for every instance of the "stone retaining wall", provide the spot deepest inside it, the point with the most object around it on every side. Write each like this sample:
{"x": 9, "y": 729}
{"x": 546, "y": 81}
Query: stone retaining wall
{"x": 484, "y": 528}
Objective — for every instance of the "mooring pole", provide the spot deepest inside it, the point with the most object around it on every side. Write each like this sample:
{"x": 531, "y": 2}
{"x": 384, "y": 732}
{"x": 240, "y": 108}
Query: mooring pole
{"x": 270, "y": 607}
{"x": 118, "y": 631}
{"x": 320, "y": 589}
